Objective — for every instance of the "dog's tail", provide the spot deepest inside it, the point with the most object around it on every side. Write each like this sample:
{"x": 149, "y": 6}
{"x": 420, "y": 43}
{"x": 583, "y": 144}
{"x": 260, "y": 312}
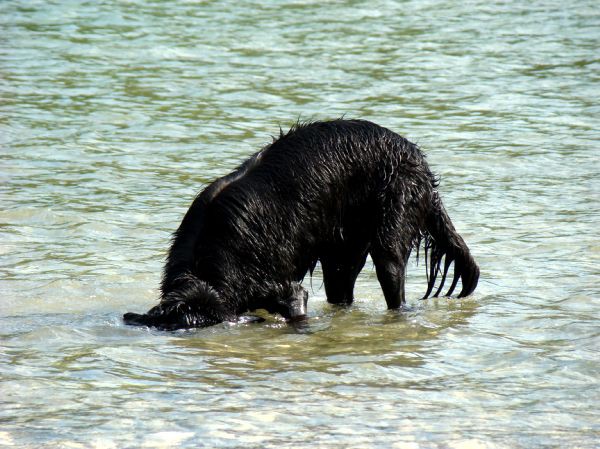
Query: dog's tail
{"x": 442, "y": 242}
{"x": 193, "y": 304}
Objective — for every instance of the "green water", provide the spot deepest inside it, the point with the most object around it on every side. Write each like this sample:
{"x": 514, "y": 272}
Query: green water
{"x": 113, "y": 114}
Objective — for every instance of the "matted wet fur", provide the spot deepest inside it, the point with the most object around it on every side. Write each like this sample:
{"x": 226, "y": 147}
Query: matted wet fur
{"x": 332, "y": 192}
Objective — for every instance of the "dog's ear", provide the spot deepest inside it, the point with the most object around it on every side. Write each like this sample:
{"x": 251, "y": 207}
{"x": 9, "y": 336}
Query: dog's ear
{"x": 194, "y": 304}
{"x": 136, "y": 319}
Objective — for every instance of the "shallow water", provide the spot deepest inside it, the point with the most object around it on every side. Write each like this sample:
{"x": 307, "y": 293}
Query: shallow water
{"x": 115, "y": 113}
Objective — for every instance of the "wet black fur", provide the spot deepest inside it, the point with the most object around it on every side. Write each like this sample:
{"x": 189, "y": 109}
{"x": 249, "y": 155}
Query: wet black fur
{"x": 332, "y": 192}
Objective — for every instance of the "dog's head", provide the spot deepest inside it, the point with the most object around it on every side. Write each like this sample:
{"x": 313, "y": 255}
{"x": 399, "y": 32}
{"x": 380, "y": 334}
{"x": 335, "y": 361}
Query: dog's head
{"x": 291, "y": 301}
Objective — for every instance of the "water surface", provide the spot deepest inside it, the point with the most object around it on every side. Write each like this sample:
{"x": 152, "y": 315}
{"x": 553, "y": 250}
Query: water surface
{"x": 114, "y": 114}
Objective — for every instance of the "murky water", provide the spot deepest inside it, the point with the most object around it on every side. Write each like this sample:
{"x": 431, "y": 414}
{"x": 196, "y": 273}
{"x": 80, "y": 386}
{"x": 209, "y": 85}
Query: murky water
{"x": 114, "y": 114}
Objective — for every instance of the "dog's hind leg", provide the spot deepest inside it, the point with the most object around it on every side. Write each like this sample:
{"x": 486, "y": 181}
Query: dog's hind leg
{"x": 390, "y": 252}
{"x": 341, "y": 267}
{"x": 391, "y": 270}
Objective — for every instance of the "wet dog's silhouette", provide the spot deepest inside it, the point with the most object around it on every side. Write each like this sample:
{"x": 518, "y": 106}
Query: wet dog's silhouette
{"x": 332, "y": 192}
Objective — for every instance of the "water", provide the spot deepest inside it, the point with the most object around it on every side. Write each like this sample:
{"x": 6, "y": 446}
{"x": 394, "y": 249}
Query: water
{"x": 114, "y": 114}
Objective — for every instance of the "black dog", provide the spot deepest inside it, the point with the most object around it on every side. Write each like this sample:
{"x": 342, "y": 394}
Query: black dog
{"x": 326, "y": 191}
